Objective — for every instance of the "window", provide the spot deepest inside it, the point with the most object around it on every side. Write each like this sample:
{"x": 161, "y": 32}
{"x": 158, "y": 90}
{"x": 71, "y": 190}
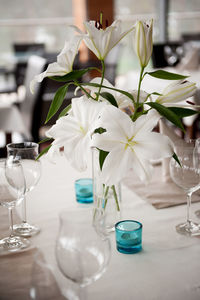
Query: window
{"x": 129, "y": 11}
{"x": 184, "y": 17}
{"x": 23, "y": 21}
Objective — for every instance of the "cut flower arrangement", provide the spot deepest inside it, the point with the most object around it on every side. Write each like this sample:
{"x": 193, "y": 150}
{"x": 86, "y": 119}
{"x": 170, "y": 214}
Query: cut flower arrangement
{"x": 116, "y": 122}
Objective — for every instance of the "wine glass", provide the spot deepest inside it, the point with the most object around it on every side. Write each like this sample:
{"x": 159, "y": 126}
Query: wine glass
{"x": 170, "y": 55}
{"x": 27, "y": 153}
{"x": 82, "y": 254}
{"x": 197, "y": 158}
{"x": 186, "y": 176}
{"x": 12, "y": 189}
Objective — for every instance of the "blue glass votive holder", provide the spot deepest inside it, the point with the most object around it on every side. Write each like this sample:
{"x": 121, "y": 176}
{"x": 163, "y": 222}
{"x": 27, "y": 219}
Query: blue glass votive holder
{"x": 128, "y": 236}
{"x": 84, "y": 190}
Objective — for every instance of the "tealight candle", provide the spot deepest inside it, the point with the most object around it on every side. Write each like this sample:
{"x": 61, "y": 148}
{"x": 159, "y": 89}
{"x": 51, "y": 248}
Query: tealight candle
{"x": 128, "y": 236}
{"x": 84, "y": 190}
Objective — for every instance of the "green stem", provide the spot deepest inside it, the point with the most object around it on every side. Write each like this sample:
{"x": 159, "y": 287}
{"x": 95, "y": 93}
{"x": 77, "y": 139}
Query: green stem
{"x": 102, "y": 78}
{"x": 84, "y": 90}
{"x": 139, "y": 85}
{"x": 115, "y": 196}
{"x": 105, "y": 196}
{"x": 95, "y": 210}
{"x": 113, "y": 89}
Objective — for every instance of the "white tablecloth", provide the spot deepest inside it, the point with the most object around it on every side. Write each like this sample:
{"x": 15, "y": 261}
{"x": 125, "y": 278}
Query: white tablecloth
{"x": 167, "y": 268}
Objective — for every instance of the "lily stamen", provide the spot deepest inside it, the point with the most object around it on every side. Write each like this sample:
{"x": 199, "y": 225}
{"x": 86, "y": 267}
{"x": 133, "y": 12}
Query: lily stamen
{"x": 190, "y": 102}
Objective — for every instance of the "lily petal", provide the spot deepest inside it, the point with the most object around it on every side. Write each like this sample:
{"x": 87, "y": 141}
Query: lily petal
{"x": 73, "y": 132}
{"x": 176, "y": 92}
{"x": 130, "y": 144}
{"x": 101, "y": 41}
{"x": 64, "y": 62}
{"x": 154, "y": 145}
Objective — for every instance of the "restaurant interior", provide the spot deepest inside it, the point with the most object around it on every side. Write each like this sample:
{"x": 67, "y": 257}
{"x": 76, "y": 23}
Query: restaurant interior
{"x": 127, "y": 226}
{"x": 29, "y": 30}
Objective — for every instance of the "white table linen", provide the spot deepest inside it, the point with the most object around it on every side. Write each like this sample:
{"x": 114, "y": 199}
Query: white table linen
{"x": 167, "y": 268}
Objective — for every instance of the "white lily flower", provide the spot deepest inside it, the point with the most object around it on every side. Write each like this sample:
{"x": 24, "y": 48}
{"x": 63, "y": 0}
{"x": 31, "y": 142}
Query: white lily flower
{"x": 143, "y": 96}
{"x": 130, "y": 144}
{"x": 143, "y": 41}
{"x": 73, "y": 132}
{"x": 177, "y": 92}
{"x": 64, "y": 62}
{"x": 101, "y": 41}
{"x": 122, "y": 100}
{"x": 124, "y": 103}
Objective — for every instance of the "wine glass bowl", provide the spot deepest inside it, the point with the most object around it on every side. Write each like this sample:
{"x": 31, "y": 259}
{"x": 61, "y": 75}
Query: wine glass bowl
{"x": 82, "y": 255}
{"x": 26, "y": 153}
{"x": 186, "y": 175}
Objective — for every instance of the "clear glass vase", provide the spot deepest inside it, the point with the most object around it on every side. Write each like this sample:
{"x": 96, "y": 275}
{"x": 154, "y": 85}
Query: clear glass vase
{"x": 107, "y": 199}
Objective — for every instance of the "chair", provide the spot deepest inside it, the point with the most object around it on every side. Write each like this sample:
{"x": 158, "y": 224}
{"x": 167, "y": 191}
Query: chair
{"x": 166, "y": 54}
{"x": 22, "y": 52}
{"x": 19, "y": 119}
{"x": 35, "y": 66}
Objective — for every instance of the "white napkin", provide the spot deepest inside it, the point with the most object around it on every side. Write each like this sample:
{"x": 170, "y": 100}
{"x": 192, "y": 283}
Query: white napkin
{"x": 170, "y": 132}
{"x": 158, "y": 193}
{"x": 190, "y": 61}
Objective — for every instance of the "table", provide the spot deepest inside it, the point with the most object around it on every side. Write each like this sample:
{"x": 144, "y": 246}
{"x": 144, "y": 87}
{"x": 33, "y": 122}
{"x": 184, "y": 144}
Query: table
{"x": 167, "y": 268}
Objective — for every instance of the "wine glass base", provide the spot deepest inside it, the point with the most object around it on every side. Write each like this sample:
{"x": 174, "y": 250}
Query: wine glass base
{"x": 188, "y": 228}
{"x": 13, "y": 244}
{"x": 25, "y": 229}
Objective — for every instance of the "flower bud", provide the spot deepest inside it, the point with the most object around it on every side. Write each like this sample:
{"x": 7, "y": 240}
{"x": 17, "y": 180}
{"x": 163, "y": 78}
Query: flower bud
{"x": 176, "y": 92}
{"x": 143, "y": 42}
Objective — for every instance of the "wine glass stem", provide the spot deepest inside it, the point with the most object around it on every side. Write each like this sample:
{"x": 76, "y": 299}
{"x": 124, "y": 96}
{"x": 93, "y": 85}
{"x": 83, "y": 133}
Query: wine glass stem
{"x": 24, "y": 210}
{"x": 189, "y": 196}
{"x": 11, "y": 221}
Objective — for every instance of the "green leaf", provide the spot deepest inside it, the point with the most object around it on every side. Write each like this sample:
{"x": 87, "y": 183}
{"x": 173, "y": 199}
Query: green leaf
{"x": 45, "y": 140}
{"x": 138, "y": 114}
{"x": 155, "y": 93}
{"x": 110, "y": 98}
{"x": 43, "y": 152}
{"x": 167, "y": 113}
{"x": 166, "y": 75}
{"x": 76, "y": 74}
{"x": 109, "y": 88}
{"x": 100, "y": 130}
{"x": 176, "y": 159}
{"x": 183, "y": 112}
{"x": 57, "y": 101}
{"x": 102, "y": 157}
{"x": 65, "y": 111}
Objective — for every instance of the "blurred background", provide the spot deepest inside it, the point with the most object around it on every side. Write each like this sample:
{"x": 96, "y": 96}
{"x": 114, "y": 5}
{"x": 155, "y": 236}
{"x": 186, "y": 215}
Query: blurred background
{"x": 40, "y": 29}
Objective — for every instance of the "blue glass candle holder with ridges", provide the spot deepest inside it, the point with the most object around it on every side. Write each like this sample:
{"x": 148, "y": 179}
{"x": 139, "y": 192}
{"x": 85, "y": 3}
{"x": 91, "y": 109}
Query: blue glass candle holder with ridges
{"x": 84, "y": 190}
{"x": 128, "y": 236}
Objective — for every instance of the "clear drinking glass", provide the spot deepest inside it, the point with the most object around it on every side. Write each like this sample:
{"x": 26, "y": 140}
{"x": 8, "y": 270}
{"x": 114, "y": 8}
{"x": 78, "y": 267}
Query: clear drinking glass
{"x": 12, "y": 189}
{"x": 197, "y": 158}
{"x": 186, "y": 176}
{"x": 82, "y": 255}
{"x": 107, "y": 199}
{"x": 27, "y": 153}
